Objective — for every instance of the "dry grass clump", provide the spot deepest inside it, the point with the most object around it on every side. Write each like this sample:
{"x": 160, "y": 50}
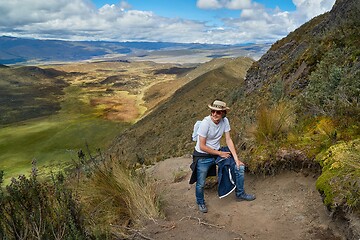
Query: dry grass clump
{"x": 273, "y": 122}
{"x": 267, "y": 135}
{"x": 116, "y": 199}
{"x": 180, "y": 175}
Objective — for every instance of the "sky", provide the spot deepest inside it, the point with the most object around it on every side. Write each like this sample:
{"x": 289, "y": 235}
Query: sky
{"x": 182, "y": 21}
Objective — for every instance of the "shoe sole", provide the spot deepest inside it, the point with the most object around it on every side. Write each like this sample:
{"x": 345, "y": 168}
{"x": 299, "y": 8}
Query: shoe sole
{"x": 242, "y": 199}
{"x": 203, "y": 211}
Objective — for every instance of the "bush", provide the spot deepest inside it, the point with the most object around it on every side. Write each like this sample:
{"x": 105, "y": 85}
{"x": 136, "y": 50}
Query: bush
{"x": 334, "y": 87}
{"x": 31, "y": 209}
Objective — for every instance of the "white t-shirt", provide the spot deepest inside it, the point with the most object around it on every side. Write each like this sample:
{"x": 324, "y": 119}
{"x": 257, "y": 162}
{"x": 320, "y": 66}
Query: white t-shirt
{"x": 212, "y": 132}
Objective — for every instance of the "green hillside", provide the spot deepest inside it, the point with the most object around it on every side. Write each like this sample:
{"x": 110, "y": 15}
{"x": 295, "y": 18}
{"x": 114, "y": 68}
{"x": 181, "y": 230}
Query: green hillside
{"x": 297, "y": 105}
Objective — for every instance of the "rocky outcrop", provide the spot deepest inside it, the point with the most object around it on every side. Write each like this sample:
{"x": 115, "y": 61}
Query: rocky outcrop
{"x": 294, "y": 57}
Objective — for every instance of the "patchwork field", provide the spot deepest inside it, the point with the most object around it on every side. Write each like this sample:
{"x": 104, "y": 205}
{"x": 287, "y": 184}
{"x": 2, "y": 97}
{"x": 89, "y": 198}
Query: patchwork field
{"x": 96, "y": 102}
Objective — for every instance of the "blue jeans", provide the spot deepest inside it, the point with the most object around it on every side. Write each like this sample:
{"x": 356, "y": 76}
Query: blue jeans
{"x": 239, "y": 175}
{"x": 202, "y": 168}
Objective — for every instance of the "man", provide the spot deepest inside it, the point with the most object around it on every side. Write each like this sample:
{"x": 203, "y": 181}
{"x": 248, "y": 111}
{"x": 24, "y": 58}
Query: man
{"x": 207, "y": 150}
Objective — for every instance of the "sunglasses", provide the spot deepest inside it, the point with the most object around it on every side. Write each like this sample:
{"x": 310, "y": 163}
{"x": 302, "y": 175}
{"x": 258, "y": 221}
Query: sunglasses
{"x": 217, "y": 112}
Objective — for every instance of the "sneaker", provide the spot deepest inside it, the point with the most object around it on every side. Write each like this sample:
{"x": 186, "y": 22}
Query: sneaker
{"x": 202, "y": 208}
{"x": 245, "y": 197}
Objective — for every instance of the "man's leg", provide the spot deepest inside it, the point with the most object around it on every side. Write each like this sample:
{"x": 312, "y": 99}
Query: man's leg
{"x": 203, "y": 166}
{"x": 240, "y": 192}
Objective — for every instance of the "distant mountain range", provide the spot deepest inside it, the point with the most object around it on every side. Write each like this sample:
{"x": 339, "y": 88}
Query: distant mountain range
{"x": 31, "y": 51}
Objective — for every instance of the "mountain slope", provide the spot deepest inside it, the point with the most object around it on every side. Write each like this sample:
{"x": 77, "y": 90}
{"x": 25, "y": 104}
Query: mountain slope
{"x": 29, "y": 92}
{"x": 293, "y": 58}
{"x": 298, "y": 108}
{"x": 166, "y": 131}
{"x": 21, "y": 50}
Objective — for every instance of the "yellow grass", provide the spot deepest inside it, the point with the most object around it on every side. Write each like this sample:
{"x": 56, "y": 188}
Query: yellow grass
{"x": 273, "y": 122}
{"x": 114, "y": 196}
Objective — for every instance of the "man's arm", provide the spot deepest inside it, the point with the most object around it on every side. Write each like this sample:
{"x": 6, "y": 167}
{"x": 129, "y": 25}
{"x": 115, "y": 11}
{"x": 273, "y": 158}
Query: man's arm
{"x": 231, "y": 146}
{"x": 205, "y": 148}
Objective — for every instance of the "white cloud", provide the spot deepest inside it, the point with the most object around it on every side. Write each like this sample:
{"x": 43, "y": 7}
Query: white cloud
{"x": 230, "y": 4}
{"x": 208, "y": 4}
{"x": 307, "y": 9}
{"x": 238, "y": 4}
{"x": 80, "y": 20}
{"x": 125, "y": 5}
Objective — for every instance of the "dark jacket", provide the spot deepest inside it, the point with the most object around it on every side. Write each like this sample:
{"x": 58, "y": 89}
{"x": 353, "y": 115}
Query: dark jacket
{"x": 196, "y": 157}
{"x": 226, "y": 171}
{"x": 226, "y": 174}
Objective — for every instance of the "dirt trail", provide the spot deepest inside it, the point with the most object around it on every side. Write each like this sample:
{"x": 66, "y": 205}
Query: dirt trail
{"x": 287, "y": 207}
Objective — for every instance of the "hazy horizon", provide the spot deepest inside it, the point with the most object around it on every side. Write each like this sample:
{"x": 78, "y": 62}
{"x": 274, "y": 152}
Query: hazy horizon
{"x": 201, "y": 21}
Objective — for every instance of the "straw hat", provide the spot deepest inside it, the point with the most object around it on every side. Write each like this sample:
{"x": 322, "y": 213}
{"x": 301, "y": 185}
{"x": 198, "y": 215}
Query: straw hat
{"x": 218, "y": 106}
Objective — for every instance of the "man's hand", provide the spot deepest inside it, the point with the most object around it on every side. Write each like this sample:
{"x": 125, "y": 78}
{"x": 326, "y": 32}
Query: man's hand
{"x": 239, "y": 163}
{"x": 224, "y": 154}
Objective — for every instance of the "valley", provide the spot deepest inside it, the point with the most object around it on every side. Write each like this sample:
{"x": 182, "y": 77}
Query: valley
{"x": 96, "y": 102}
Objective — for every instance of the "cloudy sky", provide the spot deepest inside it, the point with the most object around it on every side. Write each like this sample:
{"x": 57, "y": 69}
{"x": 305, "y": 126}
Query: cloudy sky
{"x": 200, "y": 21}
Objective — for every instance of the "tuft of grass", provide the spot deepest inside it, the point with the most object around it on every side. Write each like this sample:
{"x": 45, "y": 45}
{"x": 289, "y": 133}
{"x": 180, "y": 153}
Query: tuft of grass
{"x": 116, "y": 199}
{"x": 327, "y": 127}
{"x": 274, "y": 122}
{"x": 180, "y": 175}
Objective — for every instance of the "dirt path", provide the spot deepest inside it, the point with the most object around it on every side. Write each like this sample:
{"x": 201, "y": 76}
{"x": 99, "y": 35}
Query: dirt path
{"x": 287, "y": 207}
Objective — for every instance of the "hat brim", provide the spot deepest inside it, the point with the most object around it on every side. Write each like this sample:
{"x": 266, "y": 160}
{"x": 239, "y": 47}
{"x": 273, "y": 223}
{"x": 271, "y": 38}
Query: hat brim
{"x": 218, "y": 109}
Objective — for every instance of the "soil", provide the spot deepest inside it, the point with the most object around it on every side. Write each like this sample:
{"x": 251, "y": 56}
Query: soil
{"x": 287, "y": 206}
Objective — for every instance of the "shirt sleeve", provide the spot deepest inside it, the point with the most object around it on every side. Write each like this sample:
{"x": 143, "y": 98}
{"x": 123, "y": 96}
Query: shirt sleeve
{"x": 203, "y": 128}
{"x": 227, "y": 125}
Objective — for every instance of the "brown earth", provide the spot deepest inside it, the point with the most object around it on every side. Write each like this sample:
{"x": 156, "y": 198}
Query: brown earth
{"x": 287, "y": 207}
{"x": 124, "y": 91}
{"x": 116, "y": 89}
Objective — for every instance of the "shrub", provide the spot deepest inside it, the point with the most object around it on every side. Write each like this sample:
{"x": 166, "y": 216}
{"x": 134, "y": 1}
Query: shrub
{"x": 334, "y": 87}
{"x": 278, "y": 91}
{"x": 31, "y": 209}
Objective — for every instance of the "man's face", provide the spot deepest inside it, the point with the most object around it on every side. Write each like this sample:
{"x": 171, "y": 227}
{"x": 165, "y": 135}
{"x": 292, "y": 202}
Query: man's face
{"x": 217, "y": 115}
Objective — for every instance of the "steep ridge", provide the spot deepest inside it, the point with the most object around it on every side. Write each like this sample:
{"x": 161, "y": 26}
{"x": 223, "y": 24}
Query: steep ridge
{"x": 293, "y": 58}
{"x": 166, "y": 131}
{"x": 160, "y": 92}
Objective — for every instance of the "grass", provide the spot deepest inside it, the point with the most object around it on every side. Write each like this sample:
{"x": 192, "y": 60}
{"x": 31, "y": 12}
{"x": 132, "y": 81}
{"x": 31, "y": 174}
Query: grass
{"x": 116, "y": 199}
{"x": 274, "y": 122}
{"x": 55, "y": 140}
{"x": 100, "y": 200}
{"x": 180, "y": 175}
{"x": 339, "y": 181}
